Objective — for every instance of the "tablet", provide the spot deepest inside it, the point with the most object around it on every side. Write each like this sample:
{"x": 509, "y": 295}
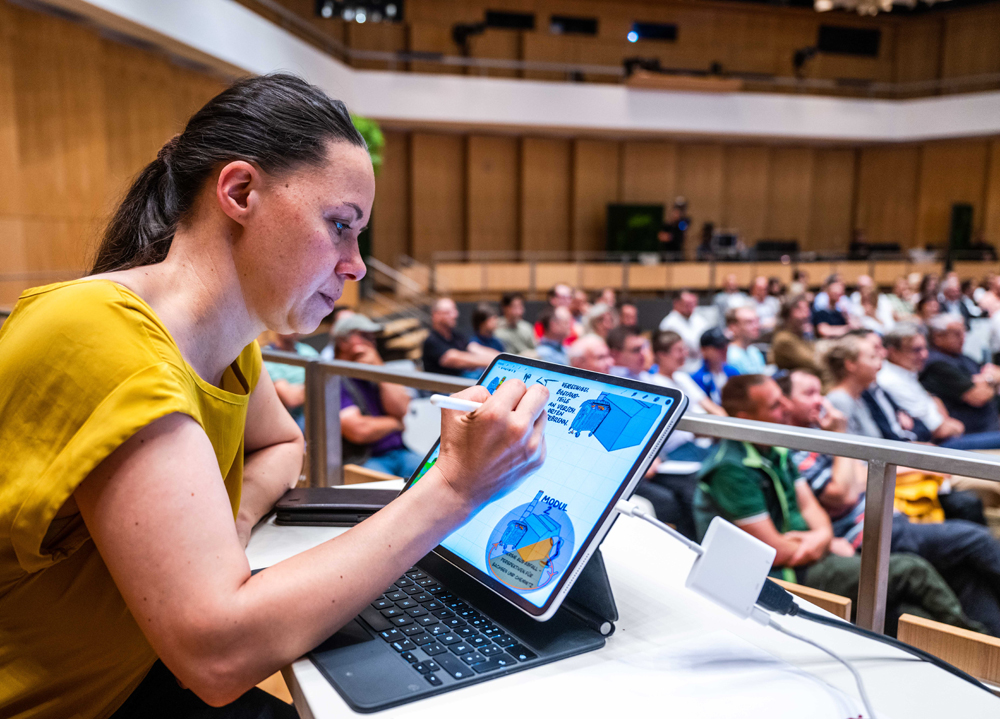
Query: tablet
{"x": 531, "y": 543}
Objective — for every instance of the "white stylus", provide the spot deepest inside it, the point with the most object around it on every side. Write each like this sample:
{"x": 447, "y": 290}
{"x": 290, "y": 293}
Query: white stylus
{"x": 463, "y": 405}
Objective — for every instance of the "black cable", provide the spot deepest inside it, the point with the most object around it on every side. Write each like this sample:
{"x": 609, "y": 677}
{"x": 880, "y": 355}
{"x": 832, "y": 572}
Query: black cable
{"x": 776, "y": 599}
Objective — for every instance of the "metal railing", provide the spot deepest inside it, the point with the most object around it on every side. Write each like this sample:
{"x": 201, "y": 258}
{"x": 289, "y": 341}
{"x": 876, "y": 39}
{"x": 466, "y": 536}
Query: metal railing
{"x": 883, "y": 456}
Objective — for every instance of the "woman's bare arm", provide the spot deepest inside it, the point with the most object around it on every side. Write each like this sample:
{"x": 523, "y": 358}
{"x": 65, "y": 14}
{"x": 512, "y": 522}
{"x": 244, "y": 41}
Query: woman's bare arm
{"x": 273, "y": 450}
{"x": 160, "y": 516}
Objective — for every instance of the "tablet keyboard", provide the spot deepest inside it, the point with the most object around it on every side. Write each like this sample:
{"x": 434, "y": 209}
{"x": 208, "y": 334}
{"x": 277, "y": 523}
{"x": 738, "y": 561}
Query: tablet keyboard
{"x": 443, "y": 638}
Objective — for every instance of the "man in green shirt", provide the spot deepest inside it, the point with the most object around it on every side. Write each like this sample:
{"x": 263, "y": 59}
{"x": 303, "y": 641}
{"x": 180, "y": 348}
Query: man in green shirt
{"x": 758, "y": 488}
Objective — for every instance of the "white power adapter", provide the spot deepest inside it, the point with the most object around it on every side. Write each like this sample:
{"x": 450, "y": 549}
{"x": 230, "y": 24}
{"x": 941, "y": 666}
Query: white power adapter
{"x": 732, "y": 567}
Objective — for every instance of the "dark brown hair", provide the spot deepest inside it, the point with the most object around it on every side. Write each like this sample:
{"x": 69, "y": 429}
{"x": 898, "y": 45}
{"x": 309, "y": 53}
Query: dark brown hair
{"x": 277, "y": 122}
{"x": 736, "y": 393}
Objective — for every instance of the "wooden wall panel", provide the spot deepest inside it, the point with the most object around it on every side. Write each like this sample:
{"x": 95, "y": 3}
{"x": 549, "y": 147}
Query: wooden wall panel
{"x": 971, "y": 42}
{"x": 545, "y": 194}
{"x": 699, "y": 179}
{"x": 745, "y": 191}
{"x": 888, "y": 179}
{"x": 649, "y": 172}
{"x": 391, "y": 211}
{"x": 949, "y": 172}
{"x": 790, "y": 194}
{"x": 918, "y": 50}
{"x": 492, "y": 193}
{"x": 832, "y": 203}
{"x": 437, "y": 191}
{"x": 595, "y": 184}
{"x": 991, "y": 212}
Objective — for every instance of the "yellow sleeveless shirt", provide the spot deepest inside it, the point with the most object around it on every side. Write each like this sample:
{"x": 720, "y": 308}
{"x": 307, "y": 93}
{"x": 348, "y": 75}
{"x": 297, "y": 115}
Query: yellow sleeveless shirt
{"x": 83, "y": 366}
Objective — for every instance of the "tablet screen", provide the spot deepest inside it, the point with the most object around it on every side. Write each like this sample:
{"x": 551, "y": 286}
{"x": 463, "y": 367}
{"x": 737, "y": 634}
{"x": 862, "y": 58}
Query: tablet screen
{"x": 598, "y": 430}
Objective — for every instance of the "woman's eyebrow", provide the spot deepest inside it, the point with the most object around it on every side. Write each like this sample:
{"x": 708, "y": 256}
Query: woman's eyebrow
{"x": 357, "y": 210}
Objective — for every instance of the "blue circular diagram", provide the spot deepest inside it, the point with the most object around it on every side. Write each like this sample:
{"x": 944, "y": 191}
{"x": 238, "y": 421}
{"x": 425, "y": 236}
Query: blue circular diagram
{"x": 531, "y": 545}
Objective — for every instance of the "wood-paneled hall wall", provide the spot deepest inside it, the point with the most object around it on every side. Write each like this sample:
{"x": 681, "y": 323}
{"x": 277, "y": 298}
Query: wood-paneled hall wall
{"x": 455, "y": 192}
{"x": 80, "y": 114}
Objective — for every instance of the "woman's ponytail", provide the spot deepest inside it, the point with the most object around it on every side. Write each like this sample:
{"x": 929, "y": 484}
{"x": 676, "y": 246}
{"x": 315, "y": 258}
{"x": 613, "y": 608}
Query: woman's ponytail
{"x": 274, "y": 121}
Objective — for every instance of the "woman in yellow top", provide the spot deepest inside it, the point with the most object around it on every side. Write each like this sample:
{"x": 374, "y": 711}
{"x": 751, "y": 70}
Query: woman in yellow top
{"x": 137, "y": 423}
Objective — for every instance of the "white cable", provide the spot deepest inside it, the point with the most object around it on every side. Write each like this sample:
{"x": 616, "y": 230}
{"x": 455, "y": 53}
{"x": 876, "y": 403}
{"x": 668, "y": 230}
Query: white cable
{"x": 623, "y": 506}
{"x": 850, "y": 667}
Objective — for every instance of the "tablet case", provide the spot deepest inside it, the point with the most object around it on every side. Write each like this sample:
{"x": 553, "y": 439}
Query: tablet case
{"x": 330, "y": 506}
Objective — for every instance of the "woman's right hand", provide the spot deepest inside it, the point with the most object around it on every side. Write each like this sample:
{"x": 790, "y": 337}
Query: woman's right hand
{"x": 488, "y": 451}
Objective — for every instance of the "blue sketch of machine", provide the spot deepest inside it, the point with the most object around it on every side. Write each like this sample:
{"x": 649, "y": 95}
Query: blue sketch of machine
{"x": 535, "y": 537}
{"x": 495, "y": 384}
{"x": 616, "y": 421}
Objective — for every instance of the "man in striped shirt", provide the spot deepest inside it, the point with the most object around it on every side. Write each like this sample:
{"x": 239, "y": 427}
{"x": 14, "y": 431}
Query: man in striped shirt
{"x": 965, "y": 553}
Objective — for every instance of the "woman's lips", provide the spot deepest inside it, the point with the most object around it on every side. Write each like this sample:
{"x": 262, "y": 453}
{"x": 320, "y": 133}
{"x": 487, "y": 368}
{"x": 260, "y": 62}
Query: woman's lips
{"x": 329, "y": 300}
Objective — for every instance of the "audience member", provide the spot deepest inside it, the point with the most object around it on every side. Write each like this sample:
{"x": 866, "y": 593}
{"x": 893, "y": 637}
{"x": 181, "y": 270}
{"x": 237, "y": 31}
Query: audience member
{"x": 371, "y": 414}
{"x": 627, "y": 347}
{"x": 901, "y": 300}
{"x": 560, "y": 296}
{"x": 714, "y": 371}
{"x": 448, "y": 351}
{"x": 670, "y": 354}
{"x": 831, "y": 318}
{"x": 964, "y": 553}
{"x": 800, "y": 283}
{"x": 590, "y": 352}
{"x": 766, "y": 305}
{"x": 607, "y": 296}
{"x": 578, "y": 307}
{"x": 599, "y": 320}
{"x": 967, "y": 389}
{"x": 484, "y": 327}
{"x": 628, "y": 315}
{"x": 927, "y": 308}
{"x": 953, "y": 302}
{"x": 289, "y": 380}
{"x": 688, "y": 324}
{"x": 929, "y": 285}
{"x": 776, "y": 288}
{"x": 744, "y": 329}
{"x": 792, "y": 346}
{"x": 513, "y": 331}
{"x": 730, "y": 296}
{"x": 557, "y": 323}
{"x": 874, "y": 315}
{"x": 759, "y": 489}
{"x": 822, "y": 299}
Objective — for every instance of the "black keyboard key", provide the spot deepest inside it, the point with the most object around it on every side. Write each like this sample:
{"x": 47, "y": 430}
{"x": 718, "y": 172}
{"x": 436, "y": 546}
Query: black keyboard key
{"x": 413, "y": 590}
{"x": 460, "y": 648}
{"x": 468, "y": 613}
{"x": 456, "y": 604}
{"x": 479, "y": 641}
{"x": 437, "y": 629}
{"x": 432, "y": 665}
{"x": 416, "y": 611}
{"x": 490, "y": 650}
{"x": 453, "y": 622}
{"x": 449, "y": 638}
{"x": 422, "y": 668}
{"x": 375, "y": 619}
{"x": 492, "y": 631}
{"x": 401, "y": 621}
{"x": 443, "y": 614}
{"x": 472, "y": 658}
{"x": 415, "y": 574}
{"x": 433, "y": 649}
{"x": 381, "y": 604}
{"x": 427, "y": 582}
{"x": 454, "y": 666}
{"x": 521, "y": 653}
{"x": 408, "y": 656}
{"x": 500, "y": 661}
{"x": 423, "y": 598}
{"x": 403, "y": 645}
{"x": 396, "y": 596}
{"x": 426, "y": 621}
{"x": 433, "y": 679}
{"x": 391, "y": 635}
{"x": 504, "y": 640}
{"x": 391, "y": 612}
{"x": 466, "y": 632}
{"x": 481, "y": 623}
{"x": 406, "y": 603}
{"x": 422, "y": 639}
{"x": 404, "y": 582}
{"x": 445, "y": 596}
{"x": 437, "y": 589}
{"x": 413, "y": 631}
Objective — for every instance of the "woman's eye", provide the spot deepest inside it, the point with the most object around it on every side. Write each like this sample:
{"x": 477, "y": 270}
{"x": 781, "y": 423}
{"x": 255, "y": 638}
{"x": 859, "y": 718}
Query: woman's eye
{"x": 341, "y": 226}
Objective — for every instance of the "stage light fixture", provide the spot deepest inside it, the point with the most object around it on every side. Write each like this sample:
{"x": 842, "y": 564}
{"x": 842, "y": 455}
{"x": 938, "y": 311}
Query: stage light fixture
{"x": 361, "y": 11}
{"x": 327, "y": 10}
{"x": 633, "y": 36}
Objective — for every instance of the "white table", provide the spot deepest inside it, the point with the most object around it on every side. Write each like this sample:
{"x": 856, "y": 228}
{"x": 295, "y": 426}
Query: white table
{"x": 673, "y": 654}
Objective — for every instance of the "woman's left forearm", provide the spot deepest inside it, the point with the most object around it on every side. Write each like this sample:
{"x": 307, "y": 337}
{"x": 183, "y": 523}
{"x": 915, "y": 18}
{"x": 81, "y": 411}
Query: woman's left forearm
{"x": 267, "y": 474}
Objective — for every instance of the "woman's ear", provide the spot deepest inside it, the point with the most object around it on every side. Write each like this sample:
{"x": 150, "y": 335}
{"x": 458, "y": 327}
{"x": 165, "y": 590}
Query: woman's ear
{"x": 236, "y": 190}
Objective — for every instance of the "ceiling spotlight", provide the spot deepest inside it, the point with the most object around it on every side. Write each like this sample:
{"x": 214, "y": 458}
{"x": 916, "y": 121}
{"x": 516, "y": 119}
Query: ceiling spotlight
{"x": 390, "y": 10}
{"x": 327, "y": 10}
{"x": 360, "y": 16}
{"x": 823, "y": 5}
{"x": 376, "y": 16}
{"x": 348, "y": 14}
{"x": 633, "y": 36}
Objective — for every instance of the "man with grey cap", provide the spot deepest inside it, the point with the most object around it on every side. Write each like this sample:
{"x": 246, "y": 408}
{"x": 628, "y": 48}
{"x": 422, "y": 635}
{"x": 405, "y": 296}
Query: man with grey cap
{"x": 371, "y": 414}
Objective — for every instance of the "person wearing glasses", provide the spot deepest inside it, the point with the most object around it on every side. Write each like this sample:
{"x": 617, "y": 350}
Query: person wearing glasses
{"x": 630, "y": 351}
